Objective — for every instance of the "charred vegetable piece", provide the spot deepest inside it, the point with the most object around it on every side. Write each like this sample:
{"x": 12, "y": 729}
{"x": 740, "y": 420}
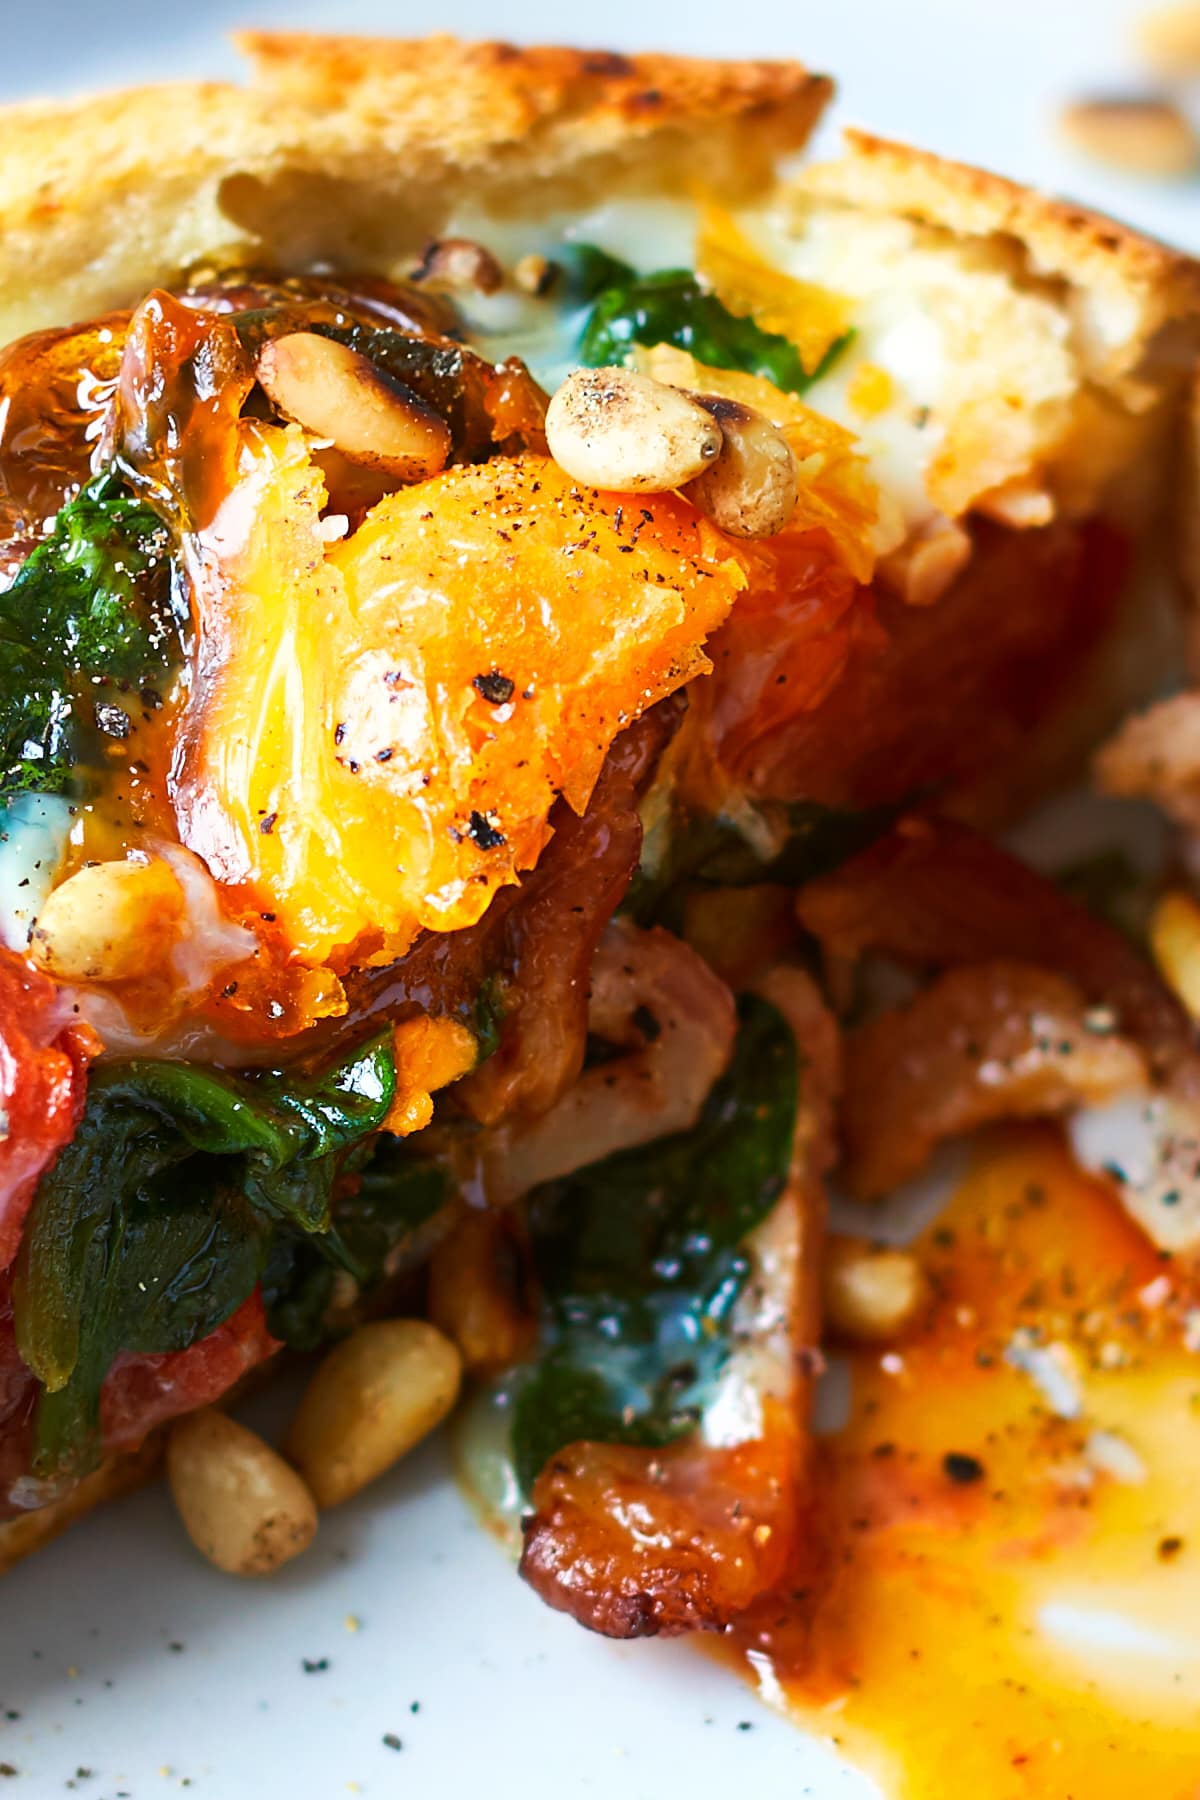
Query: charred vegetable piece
{"x": 155, "y": 1221}
{"x": 639, "y": 1261}
{"x": 92, "y": 624}
{"x": 672, "y": 307}
{"x": 712, "y": 851}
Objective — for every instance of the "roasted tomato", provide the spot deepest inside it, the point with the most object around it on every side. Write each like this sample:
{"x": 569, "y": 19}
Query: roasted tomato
{"x": 918, "y": 698}
{"x": 140, "y": 1392}
{"x": 42, "y": 1080}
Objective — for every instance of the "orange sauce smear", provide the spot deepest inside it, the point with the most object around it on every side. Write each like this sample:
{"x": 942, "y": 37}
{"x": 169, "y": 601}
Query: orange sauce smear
{"x": 1034, "y": 1630}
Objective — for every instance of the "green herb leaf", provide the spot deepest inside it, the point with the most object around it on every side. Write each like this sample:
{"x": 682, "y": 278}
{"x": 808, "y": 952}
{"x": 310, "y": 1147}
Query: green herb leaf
{"x": 586, "y": 271}
{"x": 154, "y": 1223}
{"x": 92, "y": 615}
{"x": 396, "y": 1193}
{"x": 671, "y": 307}
{"x": 640, "y": 1263}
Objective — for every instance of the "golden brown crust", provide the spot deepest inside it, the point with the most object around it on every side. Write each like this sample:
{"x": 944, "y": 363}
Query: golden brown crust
{"x": 355, "y": 149}
{"x": 1136, "y": 285}
{"x": 118, "y": 1474}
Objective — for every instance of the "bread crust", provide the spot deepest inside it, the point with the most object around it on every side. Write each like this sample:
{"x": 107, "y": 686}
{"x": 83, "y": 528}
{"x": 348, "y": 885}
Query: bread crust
{"x": 356, "y": 149}
{"x": 1136, "y": 285}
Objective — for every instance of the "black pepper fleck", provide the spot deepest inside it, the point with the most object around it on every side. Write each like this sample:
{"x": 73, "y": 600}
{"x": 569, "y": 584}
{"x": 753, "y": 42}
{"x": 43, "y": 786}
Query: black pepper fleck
{"x": 392, "y": 1741}
{"x": 113, "y": 721}
{"x": 962, "y": 1468}
{"x": 482, "y": 832}
{"x": 494, "y": 687}
{"x": 267, "y": 825}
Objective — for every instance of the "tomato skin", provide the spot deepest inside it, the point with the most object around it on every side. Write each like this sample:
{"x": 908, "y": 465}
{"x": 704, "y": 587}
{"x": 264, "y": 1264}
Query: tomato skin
{"x": 42, "y": 1085}
{"x": 141, "y": 1392}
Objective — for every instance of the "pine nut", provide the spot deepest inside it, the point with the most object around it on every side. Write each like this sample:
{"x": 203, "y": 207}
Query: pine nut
{"x": 613, "y": 428}
{"x": 1169, "y": 38}
{"x": 1175, "y": 944}
{"x": 241, "y": 1505}
{"x": 1145, "y": 135}
{"x": 110, "y": 921}
{"x": 459, "y": 263}
{"x": 750, "y": 491}
{"x": 341, "y": 396}
{"x": 375, "y": 1396}
{"x": 872, "y": 1296}
{"x": 535, "y": 275}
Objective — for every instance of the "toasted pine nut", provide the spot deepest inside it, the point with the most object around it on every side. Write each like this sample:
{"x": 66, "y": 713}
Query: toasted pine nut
{"x": 341, "y": 396}
{"x": 110, "y": 921}
{"x": 470, "y": 1298}
{"x": 1144, "y": 134}
{"x": 241, "y": 1505}
{"x": 612, "y": 428}
{"x": 751, "y": 489}
{"x": 1175, "y": 943}
{"x": 459, "y": 263}
{"x": 376, "y": 1394}
{"x": 535, "y": 275}
{"x": 871, "y": 1295}
{"x": 1169, "y": 38}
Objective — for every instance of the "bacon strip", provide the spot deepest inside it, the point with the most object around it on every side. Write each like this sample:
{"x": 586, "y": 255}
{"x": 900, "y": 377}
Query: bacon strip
{"x": 935, "y": 894}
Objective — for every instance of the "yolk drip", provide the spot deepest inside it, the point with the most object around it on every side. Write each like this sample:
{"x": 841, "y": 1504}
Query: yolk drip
{"x": 1004, "y": 1600}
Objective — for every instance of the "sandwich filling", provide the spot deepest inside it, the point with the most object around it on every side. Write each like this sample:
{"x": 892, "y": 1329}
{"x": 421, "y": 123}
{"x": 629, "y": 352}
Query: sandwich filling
{"x": 428, "y": 876}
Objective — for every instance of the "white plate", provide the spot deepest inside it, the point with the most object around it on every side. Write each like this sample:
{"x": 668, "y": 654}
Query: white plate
{"x": 126, "y": 1657}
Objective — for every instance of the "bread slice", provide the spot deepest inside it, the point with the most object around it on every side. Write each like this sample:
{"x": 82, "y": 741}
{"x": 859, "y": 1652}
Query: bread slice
{"x": 356, "y": 150}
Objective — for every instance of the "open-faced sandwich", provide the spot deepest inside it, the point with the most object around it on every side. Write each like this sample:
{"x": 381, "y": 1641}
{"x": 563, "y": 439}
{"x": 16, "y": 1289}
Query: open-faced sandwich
{"x": 515, "y": 621}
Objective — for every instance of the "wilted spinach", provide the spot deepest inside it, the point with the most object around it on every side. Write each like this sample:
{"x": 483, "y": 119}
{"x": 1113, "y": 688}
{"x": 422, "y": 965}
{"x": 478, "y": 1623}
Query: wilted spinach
{"x": 396, "y": 1192}
{"x": 93, "y": 616}
{"x": 640, "y": 1262}
{"x": 672, "y": 307}
{"x": 157, "y": 1219}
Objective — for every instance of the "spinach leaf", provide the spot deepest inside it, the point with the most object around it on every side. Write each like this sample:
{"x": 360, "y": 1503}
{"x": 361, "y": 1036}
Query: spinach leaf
{"x": 586, "y": 271}
{"x": 671, "y": 307}
{"x": 396, "y": 1192}
{"x": 156, "y": 1220}
{"x": 487, "y": 1020}
{"x": 640, "y": 1261}
{"x": 92, "y": 615}
{"x": 703, "y": 850}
